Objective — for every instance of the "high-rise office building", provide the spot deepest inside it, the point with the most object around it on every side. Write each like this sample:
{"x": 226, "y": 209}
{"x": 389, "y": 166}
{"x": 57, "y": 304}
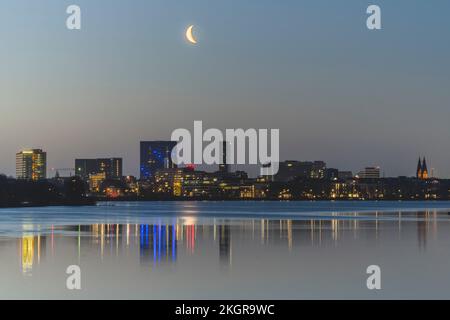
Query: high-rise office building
{"x": 155, "y": 155}
{"x": 31, "y": 164}
{"x": 111, "y": 167}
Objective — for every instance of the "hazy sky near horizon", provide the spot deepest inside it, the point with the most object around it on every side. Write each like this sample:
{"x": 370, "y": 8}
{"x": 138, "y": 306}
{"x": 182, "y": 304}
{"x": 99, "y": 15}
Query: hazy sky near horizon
{"x": 337, "y": 91}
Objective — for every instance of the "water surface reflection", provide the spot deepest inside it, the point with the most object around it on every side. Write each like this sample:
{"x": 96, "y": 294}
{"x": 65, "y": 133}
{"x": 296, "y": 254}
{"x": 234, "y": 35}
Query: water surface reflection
{"x": 157, "y": 245}
{"x": 223, "y": 250}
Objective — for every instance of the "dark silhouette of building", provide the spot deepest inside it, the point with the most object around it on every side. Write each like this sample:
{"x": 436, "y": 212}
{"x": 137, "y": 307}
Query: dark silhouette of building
{"x": 224, "y": 167}
{"x": 289, "y": 170}
{"x": 370, "y": 173}
{"x": 345, "y": 175}
{"x": 74, "y": 189}
{"x": 331, "y": 173}
{"x": 155, "y": 155}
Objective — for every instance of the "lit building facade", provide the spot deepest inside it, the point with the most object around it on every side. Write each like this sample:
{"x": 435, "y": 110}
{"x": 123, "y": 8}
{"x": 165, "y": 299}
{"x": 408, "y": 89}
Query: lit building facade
{"x": 31, "y": 164}
{"x": 169, "y": 181}
{"x": 188, "y": 183}
{"x": 318, "y": 170}
{"x": 95, "y": 180}
{"x": 111, "y": 167}
{"x": 154, "y": 156}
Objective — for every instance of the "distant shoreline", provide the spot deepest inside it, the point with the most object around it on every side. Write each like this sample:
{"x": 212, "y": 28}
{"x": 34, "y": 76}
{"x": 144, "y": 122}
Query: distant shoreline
{"x": 94, "y": 202}
{"x": 87, "y": 202}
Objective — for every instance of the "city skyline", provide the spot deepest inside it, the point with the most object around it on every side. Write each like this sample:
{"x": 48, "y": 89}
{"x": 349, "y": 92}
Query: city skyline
{"x": 154, "y": 155}
{"x": 336, "y": 90}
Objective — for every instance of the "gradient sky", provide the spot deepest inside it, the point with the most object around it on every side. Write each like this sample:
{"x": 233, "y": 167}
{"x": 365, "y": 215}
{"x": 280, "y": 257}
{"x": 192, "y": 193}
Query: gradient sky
{"x": 337, "y": 91}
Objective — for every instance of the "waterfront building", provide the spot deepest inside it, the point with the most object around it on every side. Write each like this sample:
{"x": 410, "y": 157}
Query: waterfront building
{"x": 154, "y": 156}
{"x": 318, "y": 170}
{"x": 111, "y": 167}
{"x": 331, "y": 174}
{"x": 185, "y": 182}
{"x": 344, "y": 175}
{"x": 289, "y": 170}
{"x": 188, "y": 183}
{"x": 31, "y": 164}
{"x": 370, "y": 173}
{"x": 131, "y": 184}
{"x": 169, "y": 181}
{"x": 95, "y": 180}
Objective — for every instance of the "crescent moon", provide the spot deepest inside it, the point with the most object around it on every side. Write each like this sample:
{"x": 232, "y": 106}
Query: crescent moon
{"x": 190, "y": 36}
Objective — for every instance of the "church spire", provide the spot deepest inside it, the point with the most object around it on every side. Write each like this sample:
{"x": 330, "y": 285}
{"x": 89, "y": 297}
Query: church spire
{"x": 424, "y": 169}
{"x": 419, "y": 169}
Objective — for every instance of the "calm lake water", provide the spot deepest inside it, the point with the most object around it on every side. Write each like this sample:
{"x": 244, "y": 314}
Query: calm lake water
{"x": 227, "y": 250}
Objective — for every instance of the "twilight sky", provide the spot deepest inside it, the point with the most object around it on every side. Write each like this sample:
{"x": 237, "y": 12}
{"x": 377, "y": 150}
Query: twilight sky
{"x": 337, "y": 91}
